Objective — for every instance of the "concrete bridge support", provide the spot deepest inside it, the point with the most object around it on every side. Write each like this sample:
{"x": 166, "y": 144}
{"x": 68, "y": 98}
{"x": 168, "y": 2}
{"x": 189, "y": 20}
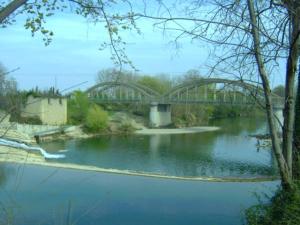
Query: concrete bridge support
{"x": 160, "y": 115}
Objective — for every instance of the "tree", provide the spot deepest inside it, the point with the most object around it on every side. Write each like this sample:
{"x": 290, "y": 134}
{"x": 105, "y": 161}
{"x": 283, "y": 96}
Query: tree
{"x": 112, "y": 75}
{"x": 105, "y": 12}
{"x": 248, "y": 38}
{"x": 96, "y": 119}
{"x": 296, "y": 168}
{"x": 78, "y": 107}
{"x": 8, "y": 89}
{"x": 155, "y": 83}
{"x": 279, "y": 90}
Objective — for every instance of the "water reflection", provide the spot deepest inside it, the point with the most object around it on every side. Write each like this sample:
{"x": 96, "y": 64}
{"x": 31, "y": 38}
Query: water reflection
{"x": 227, "y": 152}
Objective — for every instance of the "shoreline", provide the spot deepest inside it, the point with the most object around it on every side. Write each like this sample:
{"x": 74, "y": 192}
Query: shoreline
{"x": 19, "y": 156}
{"x": 184, "y": 130}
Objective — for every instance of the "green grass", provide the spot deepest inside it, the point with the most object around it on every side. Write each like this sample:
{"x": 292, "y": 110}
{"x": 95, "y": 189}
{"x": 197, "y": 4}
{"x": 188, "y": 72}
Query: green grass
{"x": 283, "y": 209}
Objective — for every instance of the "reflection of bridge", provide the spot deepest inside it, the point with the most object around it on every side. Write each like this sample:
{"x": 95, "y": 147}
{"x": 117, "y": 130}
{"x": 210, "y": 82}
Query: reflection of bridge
{"x": 199, "y": 91}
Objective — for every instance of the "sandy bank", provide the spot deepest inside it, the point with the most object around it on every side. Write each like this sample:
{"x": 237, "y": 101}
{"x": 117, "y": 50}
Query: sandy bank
{"x": 186, "y": 130}
{"x": 13, "y": 155}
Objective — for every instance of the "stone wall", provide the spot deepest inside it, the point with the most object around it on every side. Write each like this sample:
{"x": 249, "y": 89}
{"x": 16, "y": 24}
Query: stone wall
{"x": 52, "y": 111}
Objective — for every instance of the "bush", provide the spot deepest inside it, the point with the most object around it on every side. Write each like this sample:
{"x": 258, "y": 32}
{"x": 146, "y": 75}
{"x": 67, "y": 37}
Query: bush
{"x": 34, "y": 120}
{"x": 78, "y": 106}
{"x": 126, "y": 128}
{"x": 283, "y": 209}
{"x": 96, "y": 119}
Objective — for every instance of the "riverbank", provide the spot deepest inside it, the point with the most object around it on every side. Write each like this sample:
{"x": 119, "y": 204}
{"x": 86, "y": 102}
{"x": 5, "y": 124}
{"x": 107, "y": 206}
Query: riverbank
{"x": 19, "y": 156}
{"x": 186, "y": 130}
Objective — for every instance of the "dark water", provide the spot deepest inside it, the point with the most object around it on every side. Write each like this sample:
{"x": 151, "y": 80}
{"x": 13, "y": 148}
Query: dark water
{"x": 40, "y": 195}
{"x": 229, "y": 152}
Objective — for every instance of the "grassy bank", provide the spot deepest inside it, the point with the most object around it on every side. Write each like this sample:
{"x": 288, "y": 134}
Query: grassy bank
{"x": 282, "y": 209}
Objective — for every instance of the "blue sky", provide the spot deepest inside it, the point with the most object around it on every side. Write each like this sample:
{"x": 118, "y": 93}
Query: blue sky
{"x": 74, "y": 56}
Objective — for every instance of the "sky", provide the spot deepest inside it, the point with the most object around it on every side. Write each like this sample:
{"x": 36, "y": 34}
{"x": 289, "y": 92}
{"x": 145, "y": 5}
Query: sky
{"x": 74, "y": 57}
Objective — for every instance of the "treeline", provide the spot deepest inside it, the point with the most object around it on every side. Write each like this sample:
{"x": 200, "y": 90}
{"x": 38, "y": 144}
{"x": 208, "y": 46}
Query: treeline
{"x": 183, "y": 114}
{"x": 12, "y": 99}
{"x": 8, "y": 89}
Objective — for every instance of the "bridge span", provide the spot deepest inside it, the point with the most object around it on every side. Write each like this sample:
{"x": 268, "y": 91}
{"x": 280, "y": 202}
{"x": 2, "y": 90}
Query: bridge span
{"x": 205, "y": 91}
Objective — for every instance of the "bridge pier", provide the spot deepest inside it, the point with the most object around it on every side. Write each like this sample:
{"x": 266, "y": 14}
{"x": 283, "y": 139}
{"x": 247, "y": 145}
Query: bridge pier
{"x": 160, "y": 115}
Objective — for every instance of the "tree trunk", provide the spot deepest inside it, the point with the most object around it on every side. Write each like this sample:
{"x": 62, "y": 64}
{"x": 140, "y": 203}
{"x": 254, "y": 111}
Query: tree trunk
{"x": 285, "y": 172}
{"x": 296, "y": 163}
{"x": 289, "y": 109}
{"x": 10, "y": 8}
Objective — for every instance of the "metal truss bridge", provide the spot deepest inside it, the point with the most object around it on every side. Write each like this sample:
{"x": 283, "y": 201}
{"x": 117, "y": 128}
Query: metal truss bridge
{"x": 199, "y": 91}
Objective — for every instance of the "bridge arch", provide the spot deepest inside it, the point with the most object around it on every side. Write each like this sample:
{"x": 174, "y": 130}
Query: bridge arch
{"x": 216, "y": 91}
{"x": 122, "y": 91}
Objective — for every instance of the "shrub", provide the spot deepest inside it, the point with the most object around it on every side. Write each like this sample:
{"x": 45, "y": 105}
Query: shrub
{"x": 34, "y": 120}
{"x": 126, "y": 128}
{"x": 78, "y": 106}
{"x": 283, "y": 209}
{"x": 96, "y": 119}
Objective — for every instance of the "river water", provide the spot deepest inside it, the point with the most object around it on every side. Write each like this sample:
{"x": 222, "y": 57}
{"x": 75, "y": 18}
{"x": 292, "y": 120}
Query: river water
{"x": 41, "y": 195}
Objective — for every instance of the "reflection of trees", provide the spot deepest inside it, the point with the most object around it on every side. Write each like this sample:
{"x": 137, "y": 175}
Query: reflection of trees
{"x": 235, "y": 126}
{"x": 178, "y": 155}
{"x": 182, "y": 154}
{"x": 94, "y": 144}
{"x": 193, "y": 155}
{"x": 5, "y": 172}
{"x": 2, "y": 175}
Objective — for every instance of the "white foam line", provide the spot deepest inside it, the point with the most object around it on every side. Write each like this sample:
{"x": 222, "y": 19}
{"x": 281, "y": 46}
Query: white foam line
{"x": 30, "y": 148}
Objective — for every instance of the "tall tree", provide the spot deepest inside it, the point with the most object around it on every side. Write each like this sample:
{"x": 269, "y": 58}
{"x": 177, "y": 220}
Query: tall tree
{"x": 296, "y": 168}
{"x": 249, "y": 38}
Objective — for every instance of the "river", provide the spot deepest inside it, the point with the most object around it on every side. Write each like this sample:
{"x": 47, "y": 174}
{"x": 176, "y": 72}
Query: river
{"x": 42, "y": 195}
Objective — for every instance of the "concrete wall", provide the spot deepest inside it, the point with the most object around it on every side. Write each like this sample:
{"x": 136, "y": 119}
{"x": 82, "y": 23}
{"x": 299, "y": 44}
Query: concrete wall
{"x": 52, "y": 111}
{"x": 160, "y": 115}
{"x": 32, "y": 129}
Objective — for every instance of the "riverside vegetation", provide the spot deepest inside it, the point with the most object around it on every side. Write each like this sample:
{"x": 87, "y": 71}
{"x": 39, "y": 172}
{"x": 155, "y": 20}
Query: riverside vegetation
{"x": 98, "y": 119}
{"x": 95, "y": 119}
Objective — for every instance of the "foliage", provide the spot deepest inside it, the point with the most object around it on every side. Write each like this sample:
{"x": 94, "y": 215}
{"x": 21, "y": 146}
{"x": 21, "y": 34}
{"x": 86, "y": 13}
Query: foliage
{"x": 126, "y": 128}
{"x": 155, "y": 83}
{"x": 8, "y": 89}
{"x": 78, "y": 106}
{"x": 96, "y": 119}
{"x": 49, "y": 93}
{"x": 279, "y": 90}
{"x": 35, "y": 120}
{"x": 230, "y": 111}
{"x": 106, "y": 12}
{"x": 112, "y": 74}
{"x": 283, "y": 209}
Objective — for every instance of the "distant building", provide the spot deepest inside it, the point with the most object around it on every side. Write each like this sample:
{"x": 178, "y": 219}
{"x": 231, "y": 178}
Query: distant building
{"x": 50, "y": 110}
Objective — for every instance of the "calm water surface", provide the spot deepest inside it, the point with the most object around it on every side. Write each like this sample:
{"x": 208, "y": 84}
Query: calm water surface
{"x": 41, "y": 195}
{"x": 229, "y": 152}
{"x": 49, "y": 196}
